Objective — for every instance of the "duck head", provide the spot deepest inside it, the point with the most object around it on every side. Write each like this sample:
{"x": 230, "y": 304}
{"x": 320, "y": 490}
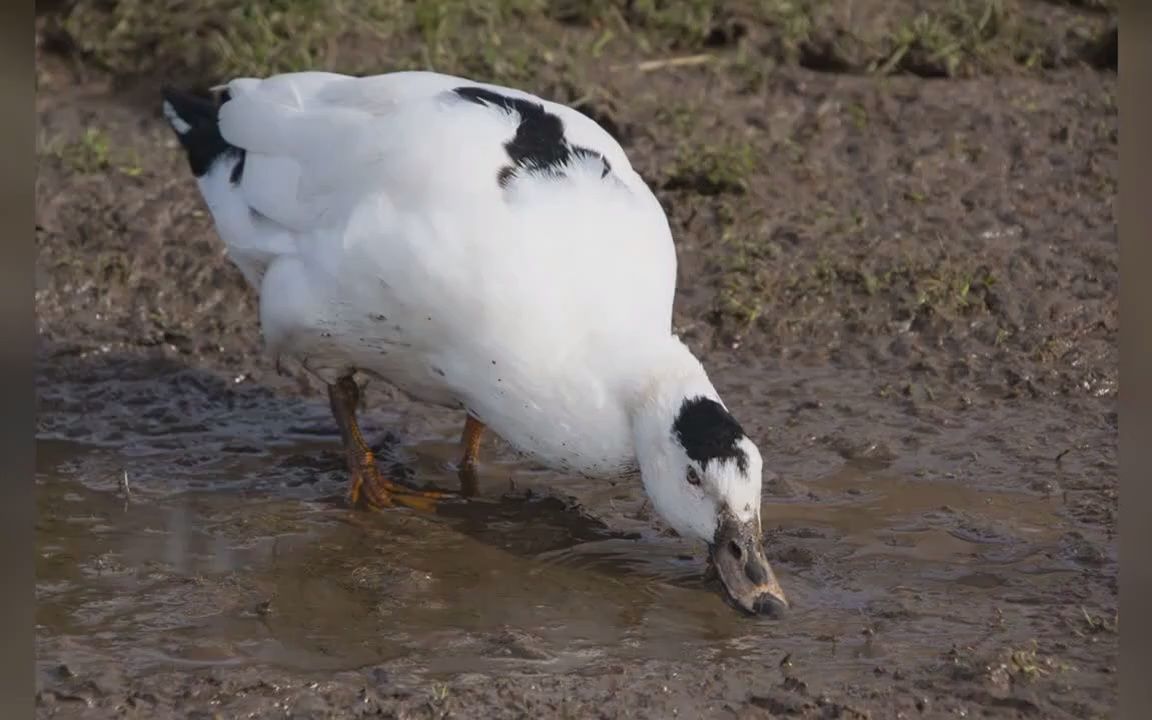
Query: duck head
{"x": 703, "y": 476}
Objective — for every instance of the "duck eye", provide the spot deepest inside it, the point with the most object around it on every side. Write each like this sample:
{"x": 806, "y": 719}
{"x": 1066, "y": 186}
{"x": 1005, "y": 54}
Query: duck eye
{"x": 693, "y": 476}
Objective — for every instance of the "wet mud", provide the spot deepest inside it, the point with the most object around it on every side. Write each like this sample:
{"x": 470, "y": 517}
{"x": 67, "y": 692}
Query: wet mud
{"x": 904, "y": 287}
{"x": 930, "y": 557}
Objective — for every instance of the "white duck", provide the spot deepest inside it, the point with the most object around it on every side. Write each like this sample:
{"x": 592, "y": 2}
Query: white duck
{"x": 483, "y": 249}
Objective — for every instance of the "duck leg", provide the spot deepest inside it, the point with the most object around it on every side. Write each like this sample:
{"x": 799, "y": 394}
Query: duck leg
{"x": 470, "y": 439}
{"x": 369, "y": 487}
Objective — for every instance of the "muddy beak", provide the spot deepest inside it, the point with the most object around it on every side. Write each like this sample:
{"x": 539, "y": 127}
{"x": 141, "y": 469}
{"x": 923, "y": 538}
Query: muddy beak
{"x": 737, "y": 554}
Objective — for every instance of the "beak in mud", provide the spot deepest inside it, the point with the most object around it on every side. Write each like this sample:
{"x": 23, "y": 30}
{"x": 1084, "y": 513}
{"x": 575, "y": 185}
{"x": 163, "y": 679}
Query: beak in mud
{"x": 737, "y": 554}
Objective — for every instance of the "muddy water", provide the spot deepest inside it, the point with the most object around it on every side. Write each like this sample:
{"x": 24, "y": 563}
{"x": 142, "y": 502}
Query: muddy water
{"x": 204, "y": 528}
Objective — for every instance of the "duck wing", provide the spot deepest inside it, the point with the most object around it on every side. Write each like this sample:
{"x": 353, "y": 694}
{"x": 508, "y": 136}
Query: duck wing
{"x": 508, "y": 216}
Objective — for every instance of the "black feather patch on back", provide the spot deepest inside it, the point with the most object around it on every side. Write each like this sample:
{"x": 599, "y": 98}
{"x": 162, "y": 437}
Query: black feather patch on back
{"x": 202, "y": 141}
{"x": 709, "y": 432}
{"x": 539, "y": 143}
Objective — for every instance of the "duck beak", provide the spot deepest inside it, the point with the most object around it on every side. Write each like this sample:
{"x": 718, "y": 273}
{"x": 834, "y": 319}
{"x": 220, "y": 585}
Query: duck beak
{"x": 737, "y": 554}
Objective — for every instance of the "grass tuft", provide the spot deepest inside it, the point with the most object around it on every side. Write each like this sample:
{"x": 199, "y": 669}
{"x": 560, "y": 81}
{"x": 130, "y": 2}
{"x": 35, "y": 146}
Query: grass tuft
{"x": 92, "y": 153}
{"x": 503, "y": 40}
{"x": 723, "y": 168}
{"x": 208, "y": 40}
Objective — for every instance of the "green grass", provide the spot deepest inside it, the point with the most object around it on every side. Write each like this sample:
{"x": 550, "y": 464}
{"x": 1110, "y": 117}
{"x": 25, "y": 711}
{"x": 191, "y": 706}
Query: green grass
{"x": 92, "y": 153}
{"x": 533, "y": 42}
{"x": 718, "y": 169}
{"x": 510, "y": 40}
{"x": 1027, "y": 664}
{"x": 652, "y": 24}
{"x": 752, "y": 275}
{"x": 937, "y": 43}
{"x": 215, "y": 39}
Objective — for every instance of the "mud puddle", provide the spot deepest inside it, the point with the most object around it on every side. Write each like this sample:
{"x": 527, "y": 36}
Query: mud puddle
{"x": 153, "y": 580}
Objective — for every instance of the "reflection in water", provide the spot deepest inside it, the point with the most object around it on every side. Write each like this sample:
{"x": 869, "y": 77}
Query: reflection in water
{"x": 263, "y": 572}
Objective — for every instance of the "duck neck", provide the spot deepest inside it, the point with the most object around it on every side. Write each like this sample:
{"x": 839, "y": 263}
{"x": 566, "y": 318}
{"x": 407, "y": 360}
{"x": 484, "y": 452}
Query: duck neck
{"x": 668, "y": 375}
{"x": 664, "y": 370}
{"x": 672, "y": 380}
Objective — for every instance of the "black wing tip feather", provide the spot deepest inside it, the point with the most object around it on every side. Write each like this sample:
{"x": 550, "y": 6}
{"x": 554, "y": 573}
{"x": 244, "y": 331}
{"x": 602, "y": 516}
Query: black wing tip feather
{"x": 193, "y": 108}
{"x": 540, "y": 143}
{"x": 194, "y": 118}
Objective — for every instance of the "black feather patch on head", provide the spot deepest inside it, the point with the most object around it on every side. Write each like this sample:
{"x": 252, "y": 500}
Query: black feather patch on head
{"x": 539, "y": 143}
{"x": 709, "y": 432}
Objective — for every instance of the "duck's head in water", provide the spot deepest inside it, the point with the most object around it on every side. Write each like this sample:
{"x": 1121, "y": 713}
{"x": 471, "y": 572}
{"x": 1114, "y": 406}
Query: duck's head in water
{"x": 703, "y": 475}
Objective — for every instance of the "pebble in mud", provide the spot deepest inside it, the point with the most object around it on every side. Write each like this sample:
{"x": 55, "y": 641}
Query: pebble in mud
{"x": 513, "y": 643}
{"x": 794, "y": 555}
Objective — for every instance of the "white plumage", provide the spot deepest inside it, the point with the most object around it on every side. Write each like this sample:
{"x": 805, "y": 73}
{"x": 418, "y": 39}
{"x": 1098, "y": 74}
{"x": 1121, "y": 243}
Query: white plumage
{"x": 478, "y": 248}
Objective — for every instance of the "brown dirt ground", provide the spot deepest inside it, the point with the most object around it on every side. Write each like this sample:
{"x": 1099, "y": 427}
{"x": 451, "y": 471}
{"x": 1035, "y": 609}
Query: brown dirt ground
{"x": 918, "y": 195}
